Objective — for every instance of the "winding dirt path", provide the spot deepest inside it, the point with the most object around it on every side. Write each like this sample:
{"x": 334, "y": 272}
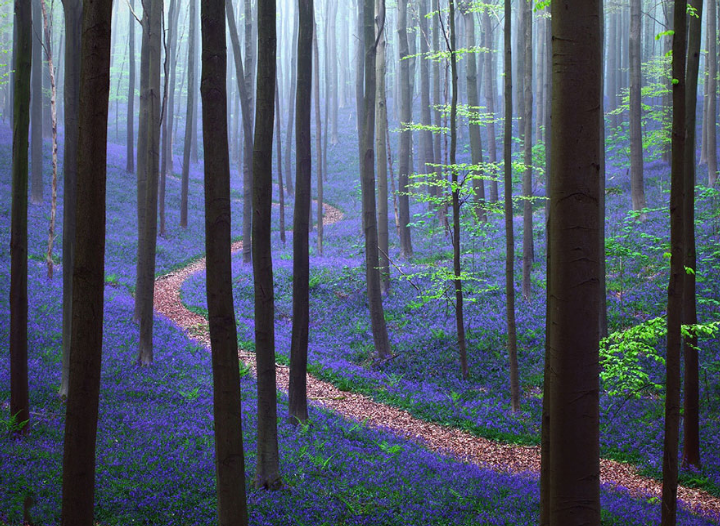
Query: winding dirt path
{"x": 435, "y": 437}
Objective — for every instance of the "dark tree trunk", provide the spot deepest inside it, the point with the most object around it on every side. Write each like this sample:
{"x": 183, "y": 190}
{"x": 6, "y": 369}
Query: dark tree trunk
{"x": 636, "y": 140}
{"x": 81, "y": 415}
{"x": 19, "y": 399}
{"x": 405, "y": 133}
{"x": 229, "y": 455}
{"x": 677, "y": 271}
{"x": 36, "y": 108}
{"x": 381, "y": 149}
{"x": 301, "y": 251}
{"x": 249, "y": 75}
{"x": 571, "y": 494}
{"x": 278, "y": 142}
{"x": 73, "y": 26}
{"x": 190, "y": 114}
{"x": 130, "y": 143}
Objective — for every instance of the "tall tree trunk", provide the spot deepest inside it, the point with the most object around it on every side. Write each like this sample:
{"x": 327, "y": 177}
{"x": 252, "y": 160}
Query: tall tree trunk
{"x": 474, "y": 131}
{"x": 291, "y": 109}
{"x": 359, "y": 77}
{"x": 405, "y": 132}
{"x": 677, "y": 270}
{"x": 229, "y": 455}
{"x": 36, "y": 108}
{"x": 47, "y": 31}
{"x": 509, "y": 234}
{"x": 490, "y": 84}
{"x": 318, "y": 140}
{"x": 528, "y": 249}
{"x": 267, "y": 474}
{"x": 381, "y": 124}
{"x": 436, "y": 188}
{"x": 278, "y": 142}
{"x": 367, "y": 180}
{"x": 691, "y": 407}
{"x": 636, "y": 140}
{"x": 572, "y": 492}
{"x": 709, "y": 119}
{"x": 331, "y": 70}
{"x": 81, "y": 414}
{"x": 297, "y": 391}
{"x": 144, "y": 291}
{"x": 73, "y": 26}
{"x": 19, "y": 399}
{"x": 249, "y": 74}
{"x": 190, "y": 115}
{"x": 130, "y": 142}
{"x": 426, "y": 136}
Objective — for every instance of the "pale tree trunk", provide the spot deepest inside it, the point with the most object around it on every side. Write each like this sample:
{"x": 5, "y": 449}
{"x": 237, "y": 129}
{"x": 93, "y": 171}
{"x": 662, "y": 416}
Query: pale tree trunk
{"x": 190, "y": 115}
{"x": 278, "y": 142}
{"x": 227, "y": 414}
{"x": 436, "y": 188}
{"x": 528, "y": 249}
{"x": 318, "y": 137}
{"x": 36, "y": 109}
{"x": 267, "y": 474}
{"x": 73, "y": 25}
{"x": 426, "y": 136}
{"x": 19, "y": 398}
{"x": 367, "y": 179}
{"x": 570, "y": 456}
{"x": 291, "y": 110}
{"x": 130, "y": 142}
{"x": 47, "y": 30}
{"x": 81, "y": 414}
{"x": 677, "y": 270}
{"x": 331, "y": 69}
{"x": 249, "y": 75}
{"x": 144, "y": 291}
{"x": 490, "y": 101}
{"x": 381, "y": 124}
{"x": 405, "y": 134}
{"x": 710, "y": 116}
{"x": 636, "y": 140}
{"x": 509, "y": 234}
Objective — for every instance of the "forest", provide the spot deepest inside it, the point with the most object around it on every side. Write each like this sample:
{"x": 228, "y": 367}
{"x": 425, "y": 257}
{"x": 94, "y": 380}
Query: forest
{"x": 343, "y": 262}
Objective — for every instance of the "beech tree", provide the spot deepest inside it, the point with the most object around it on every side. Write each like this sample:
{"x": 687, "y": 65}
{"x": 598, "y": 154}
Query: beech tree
{"x": 130, "y": 142}
{"x": 528, "y": 248}
{"x": 81, "y": 414}
{"x": 570, "y": 493}
{"x": 405, "y": 131}
{"x": 36, "y": 107}
{"x": 636, "y": 141}
{"x": 229, "y": 455}
{"x": 381, "y": 125}
{"x": 189, "y": 115}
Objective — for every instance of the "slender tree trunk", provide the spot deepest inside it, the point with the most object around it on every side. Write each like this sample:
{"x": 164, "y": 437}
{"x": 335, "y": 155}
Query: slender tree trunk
{"x": 677, "y": 271}
{"x": 297, "y": 391}
{"x": 436, "y": 188}
{"x": 81, "y": 415}
{"x": 73, "y": 25}
{"x": 474, "y": 131}
{"x": 367, "y": 179}
{"x": 331, "y": 70}
{"x": 509, "y": 234}
{"x": 190, "y": 115}
{"x": 636, "y": 140}
{"x": 47, "y": 30}
{"x": 710, "y": 116}
{"x": 381, "y": 124}
{"x": 229, "y": 455}
{"x": 36, "y": 109}
{"x": 405, "y": 132}
{"x": 426, "y": 136}
{"x": 528, "y": 249}
{"x": 249, "y": 75}
{"x": 291, "y": 109}
{"x": 571, "y": 494}
{"x": 19, "y": 399}
{"x": 359, "y": 77}
{"x": 278, "y": 143}
{"x": 130, "y": 143}
{"x": 318, "y": 140}
{"x": 691, "y": 407}
{"x": 490, "y": 101}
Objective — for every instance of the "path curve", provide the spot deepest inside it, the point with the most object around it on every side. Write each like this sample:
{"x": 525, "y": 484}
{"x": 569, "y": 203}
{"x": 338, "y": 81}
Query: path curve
{"x": 435, "y": 437}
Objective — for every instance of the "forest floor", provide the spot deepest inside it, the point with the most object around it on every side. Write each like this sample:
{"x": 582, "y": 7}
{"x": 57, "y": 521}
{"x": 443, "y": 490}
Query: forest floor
{"x": 445, "y": 440}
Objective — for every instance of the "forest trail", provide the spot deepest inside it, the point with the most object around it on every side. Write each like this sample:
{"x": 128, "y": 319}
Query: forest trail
{"x": 445, "y": 440}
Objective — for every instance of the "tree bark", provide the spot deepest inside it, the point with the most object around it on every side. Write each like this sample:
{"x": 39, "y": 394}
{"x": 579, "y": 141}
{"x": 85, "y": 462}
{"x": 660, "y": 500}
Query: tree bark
{"x": 81, "y": 416}
{"x": 278, "y": 142}
{"x": 36, "y": 109}
{"x": 190, "y": 115}
{"x": 572, "y": 495}
{"x": 19, "y": 398}
{"x": 405, "y": 131}
{"x": 332, "y": 70}
{"x": 474, "y": 128}
{"x": 130, "y": 142}
{"x": 490, "y": 101}
{"x": 426, "y": 136}
{"x": 528, "y": 248}
{"x": 291, "y": 110}
{"x": 297, "y": 391}
{"x": 318, "y": 141}
{"x": 436, "y": 188}
{"x": 709, "y": 119}
{"x": 636, "y": 140}
{"x": 381, "y": 124}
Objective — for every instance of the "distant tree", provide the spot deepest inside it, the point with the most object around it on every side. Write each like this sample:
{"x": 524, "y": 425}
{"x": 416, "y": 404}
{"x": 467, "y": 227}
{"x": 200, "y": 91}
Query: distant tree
{"x": 19, "y": 399}
{"x": 435, "y": 190}
{"x": 570, "y": 458}
{"x": 636, "y": 141}
{"x": 148, "y": 170}
{"x": 249, "y": 75}
{"x": 130, "y": 143}
{"x": 190, "y": 115}
{"x": 229, "y": 455}
{"x": 81, "y": 414}
{"x": 490, "y": 87}
{"x": 291, "y": 108}
{"x": 301, "y": 251}
{"x": 677, "y": 268}
{"x": 318, "y": 141}
{"x": 426, "y": 136}
{"x": 528, "y": 248}
{"x": 267, "y": 474}
{"x": 73, "y": 25}
{"x": 278, "y": 144}
{"x": 710, "y": 133}
{"x": 36, "y": 107}
{"x": 405, "y": 130}
{"x": 381, "y": 124}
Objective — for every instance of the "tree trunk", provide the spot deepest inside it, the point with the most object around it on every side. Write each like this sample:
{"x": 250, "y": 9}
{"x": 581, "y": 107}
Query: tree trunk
{"x": 572, "y": 492}
{"x": 367, "y": 179}
{"x": 318, "y": 140}
{"x": 436, "y": 188}
{"x": 73, "y": 26}
{"x": 331, "y": 70}
{"x": 190, "y": 114}
{"x": 636, "y": 141}
{"x": 528, "y": 249}
{"x": 426, "y": 136}
{"x": 19, "y": 399}
{"x": 229, "y": 456}
{"x": 249, "y": 75}
{"x": 490, "y": 101}
{"x": 297, "y": 391}
{"x": 709, "y": 118}
{"x": 381, "y": 124}
{"x": 677, "y": 270}
{"x": 474, "y": 131}
{"x": 36, "y": 109}
{"x": 405, "y": 132}
{"x": 144, "y": 291}
{"x": 509, "y": 234}
{"x": 691, "y": 408}
{"x": 291, "y": 109}
{"x": 130, "y": 142}
{"x": 278, "y": 142}
{"x": 81, "y": 415}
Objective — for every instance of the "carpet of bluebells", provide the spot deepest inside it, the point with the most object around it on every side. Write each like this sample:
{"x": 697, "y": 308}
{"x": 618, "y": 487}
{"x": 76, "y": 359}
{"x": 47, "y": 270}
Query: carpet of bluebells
{"x": 155, "y": 441}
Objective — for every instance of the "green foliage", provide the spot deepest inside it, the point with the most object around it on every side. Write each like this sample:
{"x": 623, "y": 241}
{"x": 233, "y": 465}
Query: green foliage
{"x": 11, "y": 424}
